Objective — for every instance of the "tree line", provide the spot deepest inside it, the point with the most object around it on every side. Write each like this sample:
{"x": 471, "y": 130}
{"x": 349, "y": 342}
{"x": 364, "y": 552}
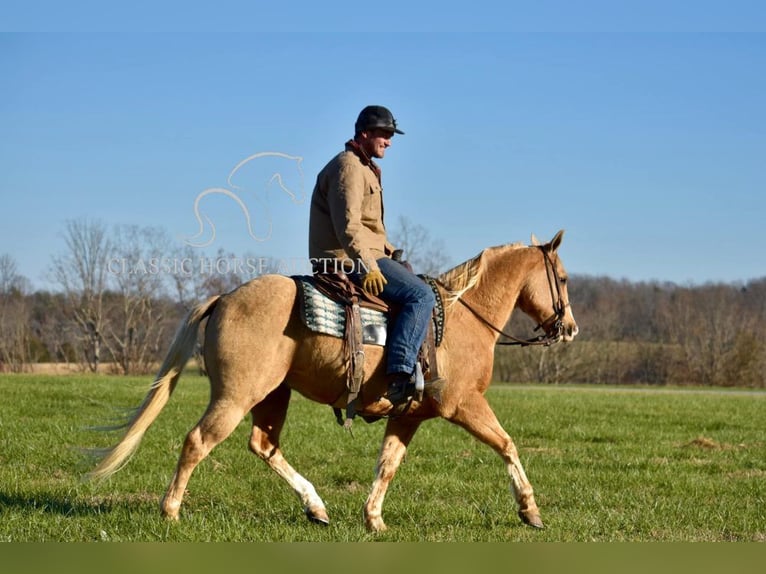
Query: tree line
{"x": 122, "y": 291}
{"x": 120, "y": 294}
{"x": 652, "y": 333}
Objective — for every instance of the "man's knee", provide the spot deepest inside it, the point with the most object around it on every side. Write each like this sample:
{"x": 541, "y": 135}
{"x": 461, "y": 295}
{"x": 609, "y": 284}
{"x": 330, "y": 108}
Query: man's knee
{"x": 428, "y": 295}
{"x": 413, "y": 287}
{"x": 420, "y": 292}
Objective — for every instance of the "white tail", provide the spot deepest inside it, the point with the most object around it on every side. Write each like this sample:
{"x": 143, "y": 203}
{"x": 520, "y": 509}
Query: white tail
{"x": 181, "y": 350}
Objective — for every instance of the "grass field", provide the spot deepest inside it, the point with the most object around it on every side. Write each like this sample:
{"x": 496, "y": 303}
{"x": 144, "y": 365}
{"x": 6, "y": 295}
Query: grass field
{"x": 606, "y": 464}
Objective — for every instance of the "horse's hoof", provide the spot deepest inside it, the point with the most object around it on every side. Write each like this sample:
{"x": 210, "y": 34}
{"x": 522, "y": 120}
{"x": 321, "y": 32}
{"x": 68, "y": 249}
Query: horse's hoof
{"x": 531, "y": 518}
{"x": 376, "y": 525}
{"x": 170, "y": 511}
{"x": 317, "y": 516}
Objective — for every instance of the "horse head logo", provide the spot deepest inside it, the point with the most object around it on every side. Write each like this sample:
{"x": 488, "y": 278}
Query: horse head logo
{"x": 289, "y": 181}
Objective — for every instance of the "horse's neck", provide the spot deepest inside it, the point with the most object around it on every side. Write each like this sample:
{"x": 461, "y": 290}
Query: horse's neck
{"x": 500, "y": 284}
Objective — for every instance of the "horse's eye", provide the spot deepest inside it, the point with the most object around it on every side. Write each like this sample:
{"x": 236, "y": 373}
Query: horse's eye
{"x": 564, "y": 280}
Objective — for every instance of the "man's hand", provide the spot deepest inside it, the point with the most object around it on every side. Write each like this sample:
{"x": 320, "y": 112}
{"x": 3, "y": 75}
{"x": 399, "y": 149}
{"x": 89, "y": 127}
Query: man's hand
{"x": 373, "y": 282}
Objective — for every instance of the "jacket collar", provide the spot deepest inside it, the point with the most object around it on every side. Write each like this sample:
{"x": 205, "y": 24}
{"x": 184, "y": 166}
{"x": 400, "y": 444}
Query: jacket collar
{"x": 353, "y": 146}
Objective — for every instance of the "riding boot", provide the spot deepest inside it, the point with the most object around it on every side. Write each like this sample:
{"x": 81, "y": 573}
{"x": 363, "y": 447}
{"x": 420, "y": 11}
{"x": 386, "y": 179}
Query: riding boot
{"x": 401, "y": 387}
{"x": 400, "y": 393}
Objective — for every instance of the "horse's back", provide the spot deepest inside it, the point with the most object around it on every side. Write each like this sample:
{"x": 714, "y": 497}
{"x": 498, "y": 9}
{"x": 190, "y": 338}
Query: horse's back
{"x": 261, "y": 296}
{"x": 252, "y": 322}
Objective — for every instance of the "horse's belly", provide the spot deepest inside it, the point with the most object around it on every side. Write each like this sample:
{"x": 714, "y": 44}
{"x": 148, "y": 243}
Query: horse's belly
{"x": 320, "y": 369}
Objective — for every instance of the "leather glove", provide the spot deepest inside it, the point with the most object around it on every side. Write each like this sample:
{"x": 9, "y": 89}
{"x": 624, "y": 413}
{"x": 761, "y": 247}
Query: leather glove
{"x": 373, "y": 282}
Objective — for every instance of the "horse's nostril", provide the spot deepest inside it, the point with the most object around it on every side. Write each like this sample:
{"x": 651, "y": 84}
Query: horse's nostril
{"x": 571, "y": 332}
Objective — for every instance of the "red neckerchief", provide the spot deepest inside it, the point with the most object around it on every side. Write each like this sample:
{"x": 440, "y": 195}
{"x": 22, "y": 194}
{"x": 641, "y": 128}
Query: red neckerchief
{"x": 353, "y": 146}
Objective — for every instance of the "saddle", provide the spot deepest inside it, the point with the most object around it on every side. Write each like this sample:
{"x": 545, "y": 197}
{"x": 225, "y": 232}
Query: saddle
{"x": 333, "y": 304}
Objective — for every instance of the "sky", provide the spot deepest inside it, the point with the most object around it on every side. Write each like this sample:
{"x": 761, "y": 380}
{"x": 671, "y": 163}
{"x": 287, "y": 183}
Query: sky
{"x": 646, "y": 146}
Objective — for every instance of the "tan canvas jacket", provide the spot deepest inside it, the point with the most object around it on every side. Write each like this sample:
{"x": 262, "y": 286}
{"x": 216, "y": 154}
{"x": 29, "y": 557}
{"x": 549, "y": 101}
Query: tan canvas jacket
{"x": 346, "y": 219}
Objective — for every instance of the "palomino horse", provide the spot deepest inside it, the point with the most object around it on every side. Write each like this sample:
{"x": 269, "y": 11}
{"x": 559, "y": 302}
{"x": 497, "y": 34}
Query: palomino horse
{"x": 257, "y": 351}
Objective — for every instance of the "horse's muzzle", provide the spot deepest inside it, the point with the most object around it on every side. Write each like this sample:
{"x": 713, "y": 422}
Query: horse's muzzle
{"x": 569, "y": 332}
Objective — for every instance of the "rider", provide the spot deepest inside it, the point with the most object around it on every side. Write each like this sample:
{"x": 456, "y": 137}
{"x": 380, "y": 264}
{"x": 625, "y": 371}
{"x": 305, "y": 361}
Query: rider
{"x": 346, "y": 226}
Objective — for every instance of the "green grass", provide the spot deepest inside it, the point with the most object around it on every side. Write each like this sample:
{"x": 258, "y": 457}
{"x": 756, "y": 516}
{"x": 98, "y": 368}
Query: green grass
{"x": 606, "y": 465}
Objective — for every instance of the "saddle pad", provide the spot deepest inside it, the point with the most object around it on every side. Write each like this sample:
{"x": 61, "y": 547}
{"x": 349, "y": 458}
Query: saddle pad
{"x": 323, "y": 315}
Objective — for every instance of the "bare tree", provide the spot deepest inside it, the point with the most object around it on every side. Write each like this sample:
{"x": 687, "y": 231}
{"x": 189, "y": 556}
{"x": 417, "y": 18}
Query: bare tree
{"x": 55, "y": 332}
{"x": 10, "y": 280}
{"x": 185, "y": 280}
{"x": 15, "y": 332}
{"x": 135, "y": 327}
{"x": 426, "y": 254}
{"x": 82, "y": 272}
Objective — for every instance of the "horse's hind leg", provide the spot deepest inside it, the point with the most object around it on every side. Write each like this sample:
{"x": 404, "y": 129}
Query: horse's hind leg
{"x": 476, "y": 416}
{"x": 218, "y": 422}
{"x": 268, "y": 419}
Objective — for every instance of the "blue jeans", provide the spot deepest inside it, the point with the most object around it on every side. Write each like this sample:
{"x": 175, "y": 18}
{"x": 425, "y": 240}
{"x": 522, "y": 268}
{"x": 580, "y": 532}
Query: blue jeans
{"x": 410, "y": 326}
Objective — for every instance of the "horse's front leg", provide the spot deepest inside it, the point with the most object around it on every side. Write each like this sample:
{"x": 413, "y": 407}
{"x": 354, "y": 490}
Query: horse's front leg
{"x": 476, "y": 416}
{"x": 399, "y": 432}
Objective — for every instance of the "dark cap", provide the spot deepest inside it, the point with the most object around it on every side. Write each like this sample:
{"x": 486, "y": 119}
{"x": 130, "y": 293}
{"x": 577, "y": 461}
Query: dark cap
{"x": 373, "y": 117}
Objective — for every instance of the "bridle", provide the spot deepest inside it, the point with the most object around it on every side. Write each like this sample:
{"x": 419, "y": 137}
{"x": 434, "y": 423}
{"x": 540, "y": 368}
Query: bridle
{"x": 552, "y": 327}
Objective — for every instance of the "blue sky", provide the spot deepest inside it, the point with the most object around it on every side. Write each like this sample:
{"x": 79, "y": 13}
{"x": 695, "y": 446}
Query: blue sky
{"x": 647, "y": 147}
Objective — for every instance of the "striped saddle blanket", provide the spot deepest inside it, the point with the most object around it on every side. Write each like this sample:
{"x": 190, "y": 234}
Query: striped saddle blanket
{"x": 326, "y": 316}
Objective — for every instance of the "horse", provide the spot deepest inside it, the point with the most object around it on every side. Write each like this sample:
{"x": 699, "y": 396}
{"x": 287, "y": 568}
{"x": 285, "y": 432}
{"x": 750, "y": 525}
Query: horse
{"x": 257, "y": 351}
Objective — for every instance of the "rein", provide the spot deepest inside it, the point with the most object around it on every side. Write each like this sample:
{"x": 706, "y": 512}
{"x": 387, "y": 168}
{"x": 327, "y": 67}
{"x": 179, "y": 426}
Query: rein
{"x": 552, "y": 326}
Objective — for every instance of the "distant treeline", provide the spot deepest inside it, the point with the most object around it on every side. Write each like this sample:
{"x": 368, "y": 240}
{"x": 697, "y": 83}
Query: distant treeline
{"x": 630, "y": 333}
{"x": 651, "y": 333}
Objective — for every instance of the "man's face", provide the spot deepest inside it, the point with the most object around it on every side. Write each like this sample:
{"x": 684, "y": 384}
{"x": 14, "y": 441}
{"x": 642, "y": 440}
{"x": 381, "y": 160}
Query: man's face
{"x": 375, "y": 142}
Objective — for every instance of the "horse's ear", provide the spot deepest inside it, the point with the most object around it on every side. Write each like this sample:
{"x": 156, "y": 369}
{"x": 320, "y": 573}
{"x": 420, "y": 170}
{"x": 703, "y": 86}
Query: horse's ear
{"x": 555, "y": 242}
{"x": 535, "y": 240}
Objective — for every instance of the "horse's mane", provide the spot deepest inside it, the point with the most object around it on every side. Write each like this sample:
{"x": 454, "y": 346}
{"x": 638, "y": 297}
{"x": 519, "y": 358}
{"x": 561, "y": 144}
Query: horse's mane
{"x": 464, "y": 276}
